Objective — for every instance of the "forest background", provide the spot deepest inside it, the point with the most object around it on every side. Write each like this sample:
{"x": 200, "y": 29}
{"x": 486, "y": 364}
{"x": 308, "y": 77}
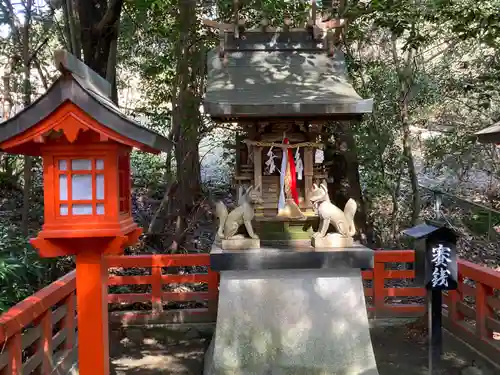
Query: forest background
{"x": 432, "y": 67}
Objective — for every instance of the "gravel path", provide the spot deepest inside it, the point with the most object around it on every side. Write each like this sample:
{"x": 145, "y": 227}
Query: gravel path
{"x": 397, "y": 353}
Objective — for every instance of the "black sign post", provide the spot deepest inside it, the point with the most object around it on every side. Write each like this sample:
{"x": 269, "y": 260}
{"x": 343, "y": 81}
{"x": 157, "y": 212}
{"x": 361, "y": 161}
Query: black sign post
{"x": 440, "y": 273}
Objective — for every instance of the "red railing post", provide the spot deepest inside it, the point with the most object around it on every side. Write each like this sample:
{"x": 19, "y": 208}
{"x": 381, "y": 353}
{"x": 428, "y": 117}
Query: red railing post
{"x": 156, "y": 286}
{"x": 213, "y": 291}
{"x": 455, "y": 297}
{"x": 68, "y": 322}
{"x": 44, "y": 342}
{"x": 378, "y": 286}
{"x": 483, "y": 310}
{"x": 15, "y": 349}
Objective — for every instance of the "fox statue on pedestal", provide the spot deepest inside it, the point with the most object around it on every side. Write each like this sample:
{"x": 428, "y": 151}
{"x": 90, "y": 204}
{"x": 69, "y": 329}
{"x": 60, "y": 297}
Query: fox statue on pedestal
{"x": 343, "y": 221}
{"x": 229, "y": 223}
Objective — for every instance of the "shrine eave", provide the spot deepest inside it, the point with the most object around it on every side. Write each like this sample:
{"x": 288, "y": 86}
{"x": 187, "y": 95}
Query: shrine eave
{"x": 81, "y": 92}
{"x": 327, "y": 111}
{"x": 489, "y": 135}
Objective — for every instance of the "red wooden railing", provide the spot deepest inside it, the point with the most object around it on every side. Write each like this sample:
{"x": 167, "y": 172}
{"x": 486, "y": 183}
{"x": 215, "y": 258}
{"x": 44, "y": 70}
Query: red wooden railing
{"x": 473, "y": 311}
{"x": 157, "y": 266}
{"x": 380, "y": 292}
{"x": 39, "y": 333}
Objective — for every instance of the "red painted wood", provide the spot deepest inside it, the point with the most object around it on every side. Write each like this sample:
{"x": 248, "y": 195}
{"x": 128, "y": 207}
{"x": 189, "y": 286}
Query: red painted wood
{"x": 68, "y": 322}
{"x": 399, "y": 274}
{"x": 405, "y": 292}
{"x": 484, "y": 275}
{"x": 130, "y": 280}
{"x": 25, "y": 312}
{"x": 455, "y": 296}
{"x": 483, "y": 310}
{"x": 396, "y": 256}
{"x": 44, "y": 342}
{"x": 379, "y": 285}
{"x": 156, "y": 289}
{"x": 147, "y": 261}
{"x": 92, "y": 302}
{"x": 186, "y": 279}
{"x": 213, "y": 291}
{"x": 14, "y": 349}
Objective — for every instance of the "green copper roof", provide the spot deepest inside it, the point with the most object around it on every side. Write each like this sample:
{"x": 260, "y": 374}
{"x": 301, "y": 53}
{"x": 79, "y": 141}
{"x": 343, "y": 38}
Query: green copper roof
{"x": 279, "y": 74}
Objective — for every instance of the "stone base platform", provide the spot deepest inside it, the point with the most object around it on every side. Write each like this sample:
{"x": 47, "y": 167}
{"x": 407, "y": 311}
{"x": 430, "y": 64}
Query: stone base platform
{"x": 332, "y": 240}
{"x": 291, "y": 322}
{"x": 304, "y": 257}
{"x": 238, "y": 243}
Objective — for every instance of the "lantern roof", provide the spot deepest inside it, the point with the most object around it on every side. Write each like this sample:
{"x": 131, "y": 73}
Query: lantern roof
{"x": 278, "y": 74}
{"x": 91, "y": 93}
{"x": 489, "y": 135}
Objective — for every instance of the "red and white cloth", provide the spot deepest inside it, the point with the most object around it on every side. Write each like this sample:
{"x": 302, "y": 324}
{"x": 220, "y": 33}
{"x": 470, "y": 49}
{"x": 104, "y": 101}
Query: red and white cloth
{"x": 287, "y": 165}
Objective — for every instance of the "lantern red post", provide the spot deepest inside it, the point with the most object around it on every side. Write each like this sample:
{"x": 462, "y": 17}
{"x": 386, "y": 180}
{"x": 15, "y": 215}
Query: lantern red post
{"x": 85, "y": 144}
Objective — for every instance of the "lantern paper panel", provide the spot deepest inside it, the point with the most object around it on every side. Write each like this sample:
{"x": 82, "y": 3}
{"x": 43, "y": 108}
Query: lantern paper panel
{"x": 81, "y": 187}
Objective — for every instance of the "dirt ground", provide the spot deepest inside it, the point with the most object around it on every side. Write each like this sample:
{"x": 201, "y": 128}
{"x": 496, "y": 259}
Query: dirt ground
{"x": 395, "y": 351}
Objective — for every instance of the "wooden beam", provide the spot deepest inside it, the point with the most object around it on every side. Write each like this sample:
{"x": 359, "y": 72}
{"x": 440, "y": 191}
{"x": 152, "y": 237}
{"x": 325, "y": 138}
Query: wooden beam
{"x": 308, "y": 176}
{"x": 257, "y": 167}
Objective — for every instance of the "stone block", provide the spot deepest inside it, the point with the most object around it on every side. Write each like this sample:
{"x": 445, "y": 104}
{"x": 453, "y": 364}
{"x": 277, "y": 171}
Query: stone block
{"x": 288, "y": 257}
{"x": 242, "y": 243}
{"x": 332, "y": 240}
{"x": 291, "y": 322}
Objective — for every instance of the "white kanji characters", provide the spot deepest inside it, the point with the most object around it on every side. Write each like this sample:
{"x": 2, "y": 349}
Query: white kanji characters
{"x": 441, "y": 256}
{"x": 440, "y": 277}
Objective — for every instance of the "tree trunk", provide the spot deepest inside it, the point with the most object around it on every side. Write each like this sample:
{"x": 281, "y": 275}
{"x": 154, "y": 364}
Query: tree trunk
{"x": 405, "y": 76}
{"x": 98, "y": 29}
{"x": 5, "y": 158}
{"x": 28, "y": 161}
{"x": 111, "y": 66}
{"x": 341, "y": 159}
{"x": 410, "y": 162}
{"x": 71, "y": 28}
{"x": 186, "y": 118}
{"x": 188, "y": 168}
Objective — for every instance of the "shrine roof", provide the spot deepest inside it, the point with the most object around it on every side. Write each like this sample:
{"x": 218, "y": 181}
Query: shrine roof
{"x": 489, "y": 135}
{"x": 279, "y": 74}
{"x": 91, "y": 93}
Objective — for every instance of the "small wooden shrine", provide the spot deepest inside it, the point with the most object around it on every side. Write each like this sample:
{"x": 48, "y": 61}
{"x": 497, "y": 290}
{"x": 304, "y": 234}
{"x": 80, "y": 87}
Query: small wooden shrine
{"x": 282, "y": 87}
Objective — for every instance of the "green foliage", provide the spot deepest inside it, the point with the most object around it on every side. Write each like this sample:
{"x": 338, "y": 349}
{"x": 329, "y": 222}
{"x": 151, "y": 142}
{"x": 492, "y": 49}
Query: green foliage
{"x": 480, "y": 222}
{"x": 148, "y": 170}
{"x": 21, "y": 270}
{"x": 253, "y": 11}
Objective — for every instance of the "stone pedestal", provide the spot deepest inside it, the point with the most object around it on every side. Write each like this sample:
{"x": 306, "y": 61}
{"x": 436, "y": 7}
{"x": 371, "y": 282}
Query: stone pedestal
{"x": 242, "y": 243}
{"x": 290, "y": 321}
{"x": 332, "y": 241}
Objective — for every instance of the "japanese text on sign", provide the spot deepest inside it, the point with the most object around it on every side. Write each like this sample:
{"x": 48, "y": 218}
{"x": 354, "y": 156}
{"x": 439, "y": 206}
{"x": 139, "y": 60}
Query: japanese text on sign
{"x": 441, "y": 256}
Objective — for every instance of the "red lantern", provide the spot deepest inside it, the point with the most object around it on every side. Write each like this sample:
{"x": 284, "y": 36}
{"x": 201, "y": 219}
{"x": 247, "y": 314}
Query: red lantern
{"x": 85, "y": 143}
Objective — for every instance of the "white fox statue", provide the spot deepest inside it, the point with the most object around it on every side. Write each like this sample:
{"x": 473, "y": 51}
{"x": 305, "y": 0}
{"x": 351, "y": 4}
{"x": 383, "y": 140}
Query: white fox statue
{"x": 343, "y": 221}
{"x": 229, "y": 223}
